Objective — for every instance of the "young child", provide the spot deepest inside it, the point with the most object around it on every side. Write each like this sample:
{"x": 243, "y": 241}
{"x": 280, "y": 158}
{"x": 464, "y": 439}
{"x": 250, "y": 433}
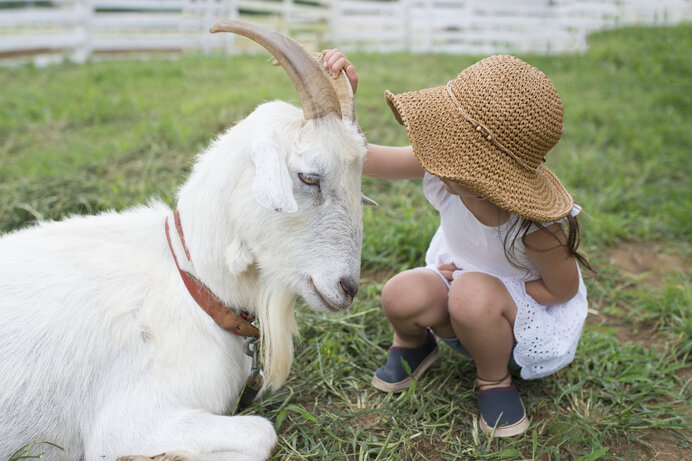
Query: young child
{"x": 501, "y": 281}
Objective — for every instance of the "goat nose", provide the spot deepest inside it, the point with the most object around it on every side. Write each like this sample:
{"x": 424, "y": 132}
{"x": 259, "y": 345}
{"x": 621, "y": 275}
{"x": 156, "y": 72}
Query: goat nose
{"x": 349, "y": 287}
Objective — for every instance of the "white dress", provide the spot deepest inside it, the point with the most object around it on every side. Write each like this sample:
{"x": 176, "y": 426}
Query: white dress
{"x": 546, "y": 336}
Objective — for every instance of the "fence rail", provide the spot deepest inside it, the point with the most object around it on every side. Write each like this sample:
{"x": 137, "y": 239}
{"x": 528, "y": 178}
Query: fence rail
{"x": 80, "y": 28}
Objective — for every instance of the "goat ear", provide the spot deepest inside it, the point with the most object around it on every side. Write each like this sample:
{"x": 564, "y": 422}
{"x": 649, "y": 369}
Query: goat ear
{"x": 272, "y": 186}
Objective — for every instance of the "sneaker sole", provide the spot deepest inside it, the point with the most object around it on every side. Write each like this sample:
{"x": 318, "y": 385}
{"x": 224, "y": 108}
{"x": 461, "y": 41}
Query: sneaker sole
{"x": 505, "y": 431}
{"x": 383, "y": 386}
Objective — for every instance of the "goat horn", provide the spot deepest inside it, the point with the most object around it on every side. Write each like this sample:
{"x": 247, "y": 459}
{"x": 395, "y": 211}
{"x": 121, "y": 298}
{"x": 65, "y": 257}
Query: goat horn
{"x": 368, "y": 201}
{"x": 317, "y": 95}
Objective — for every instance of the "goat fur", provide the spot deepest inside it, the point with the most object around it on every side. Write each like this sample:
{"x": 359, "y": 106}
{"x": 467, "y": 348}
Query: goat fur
{"x": 103, "y": 351}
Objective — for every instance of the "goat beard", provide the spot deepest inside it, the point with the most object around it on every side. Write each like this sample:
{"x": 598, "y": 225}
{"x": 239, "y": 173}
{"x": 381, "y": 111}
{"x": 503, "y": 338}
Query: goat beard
{"x": 277, "y": 327}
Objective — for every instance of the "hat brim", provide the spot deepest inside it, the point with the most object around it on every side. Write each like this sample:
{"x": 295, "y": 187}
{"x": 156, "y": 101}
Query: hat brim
{"x": 448, "y": 146}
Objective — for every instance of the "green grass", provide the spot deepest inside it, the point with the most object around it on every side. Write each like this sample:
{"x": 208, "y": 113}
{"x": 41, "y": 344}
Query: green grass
{"x": 80, "y": 139}
{"x": 31, "y": 451}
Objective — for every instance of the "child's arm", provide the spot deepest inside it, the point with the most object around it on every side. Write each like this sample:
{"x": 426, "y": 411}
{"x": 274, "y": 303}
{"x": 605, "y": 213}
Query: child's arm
{"x": 382, "y": 161}
{"x": 560, "y": 278}
{"x": 392, "y": 163}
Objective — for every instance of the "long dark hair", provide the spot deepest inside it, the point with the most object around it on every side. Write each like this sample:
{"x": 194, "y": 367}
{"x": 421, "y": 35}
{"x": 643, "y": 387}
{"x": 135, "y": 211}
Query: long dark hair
{"x": 520, "y": 227}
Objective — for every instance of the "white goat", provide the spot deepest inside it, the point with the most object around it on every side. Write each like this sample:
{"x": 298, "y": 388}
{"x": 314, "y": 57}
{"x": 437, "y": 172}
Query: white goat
{"x": 103, "y": 350}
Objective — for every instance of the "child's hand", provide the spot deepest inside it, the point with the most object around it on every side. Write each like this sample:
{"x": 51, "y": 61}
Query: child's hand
{"x": 447, "y": 271}
{"x": 334, "y": 61}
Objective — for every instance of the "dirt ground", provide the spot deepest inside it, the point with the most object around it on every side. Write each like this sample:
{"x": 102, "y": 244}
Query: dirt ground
{"x": 650, "y": 263}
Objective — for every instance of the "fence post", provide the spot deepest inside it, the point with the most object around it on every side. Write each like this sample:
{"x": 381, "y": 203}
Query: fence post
{"x": 286, "y": 11}
{"x": 207, "y": 18}
{"x": 231, "y": 12}
{"x": 428, "y": 27}
{"x": 83, "y": 49}
{"x": 406, "y": 12}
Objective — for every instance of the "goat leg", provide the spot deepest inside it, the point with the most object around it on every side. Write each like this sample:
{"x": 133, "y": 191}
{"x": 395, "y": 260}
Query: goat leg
{"x": 204, "y": 437}
{"x": 172, "y": 456}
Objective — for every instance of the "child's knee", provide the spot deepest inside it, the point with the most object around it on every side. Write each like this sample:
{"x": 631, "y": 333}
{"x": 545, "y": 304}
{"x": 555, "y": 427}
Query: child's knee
{"x": 408, "y": 293}
{"x": 396, "y": 297}
{"x": 475, "y": 296}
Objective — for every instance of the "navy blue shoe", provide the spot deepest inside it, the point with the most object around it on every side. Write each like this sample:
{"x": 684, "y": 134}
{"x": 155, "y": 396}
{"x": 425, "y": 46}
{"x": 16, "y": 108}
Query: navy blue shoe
{"x": 502, "y": 412}
{"x": 456, "y": 345}
{"x": 392, "y": 377}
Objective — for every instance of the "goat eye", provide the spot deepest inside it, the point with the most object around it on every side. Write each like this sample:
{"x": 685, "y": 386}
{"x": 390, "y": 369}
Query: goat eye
{"x": 310, "y": 180}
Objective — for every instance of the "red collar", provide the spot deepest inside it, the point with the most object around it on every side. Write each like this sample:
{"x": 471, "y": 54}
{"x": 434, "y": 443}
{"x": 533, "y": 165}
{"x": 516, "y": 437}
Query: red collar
{"x": 237, "y": 323}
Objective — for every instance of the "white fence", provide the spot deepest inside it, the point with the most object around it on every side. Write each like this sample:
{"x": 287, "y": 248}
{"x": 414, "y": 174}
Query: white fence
{"x": 489, "y": 26}
{"x": 80, "y": 28}
{"x": 83, "y": 27}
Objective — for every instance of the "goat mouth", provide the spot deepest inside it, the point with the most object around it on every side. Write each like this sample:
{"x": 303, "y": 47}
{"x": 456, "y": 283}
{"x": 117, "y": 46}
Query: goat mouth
{"x": 321, "y": 297}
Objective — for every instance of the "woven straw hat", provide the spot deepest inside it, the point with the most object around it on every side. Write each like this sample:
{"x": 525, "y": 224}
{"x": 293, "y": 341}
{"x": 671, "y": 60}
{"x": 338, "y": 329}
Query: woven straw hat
{"x": 490, "y": 130}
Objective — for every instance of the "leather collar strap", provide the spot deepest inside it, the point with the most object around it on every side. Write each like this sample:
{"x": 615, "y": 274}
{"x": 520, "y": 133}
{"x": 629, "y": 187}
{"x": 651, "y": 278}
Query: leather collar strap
{"x": 238, "y": 323}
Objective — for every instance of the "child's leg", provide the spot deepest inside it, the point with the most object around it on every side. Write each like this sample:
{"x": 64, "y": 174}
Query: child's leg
{"x": 413, "y": 300}
{"x": 482, "y": 313}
